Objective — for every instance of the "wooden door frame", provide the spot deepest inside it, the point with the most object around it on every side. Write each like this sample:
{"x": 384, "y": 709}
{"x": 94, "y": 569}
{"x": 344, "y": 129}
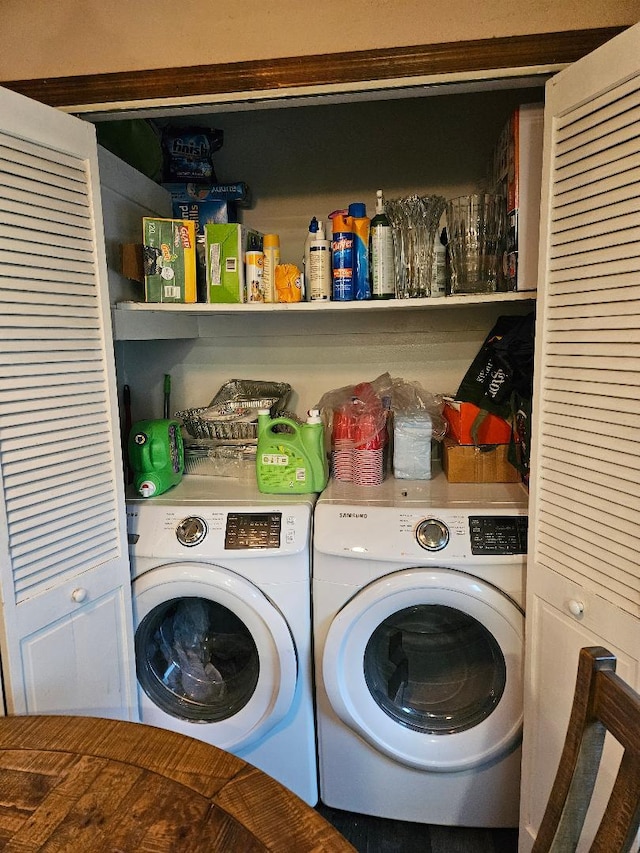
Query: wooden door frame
{"x": 137, "y": 89}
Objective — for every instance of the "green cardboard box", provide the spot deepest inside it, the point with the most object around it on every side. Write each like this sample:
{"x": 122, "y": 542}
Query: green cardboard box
{"x": 169, "y": 259}
{"x": 226, "y": 247}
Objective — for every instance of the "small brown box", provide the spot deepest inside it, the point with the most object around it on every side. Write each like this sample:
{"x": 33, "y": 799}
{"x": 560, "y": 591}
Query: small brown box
{"x": 132, "y": 265}
{"x": 485, "y": 463}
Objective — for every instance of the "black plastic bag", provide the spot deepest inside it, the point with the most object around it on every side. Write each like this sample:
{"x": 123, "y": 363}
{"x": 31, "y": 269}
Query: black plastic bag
{"x": 502, "y": 368}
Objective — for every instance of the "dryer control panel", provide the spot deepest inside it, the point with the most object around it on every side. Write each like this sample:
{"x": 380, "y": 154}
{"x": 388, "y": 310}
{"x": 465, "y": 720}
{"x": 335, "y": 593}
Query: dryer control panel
{"x": 435, "y": 535}
{"x": 495, "y": 535}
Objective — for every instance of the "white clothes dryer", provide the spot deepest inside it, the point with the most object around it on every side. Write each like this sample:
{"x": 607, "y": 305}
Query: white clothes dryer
{"x": 222, "y": 619}
{"x": 418, "y": 596}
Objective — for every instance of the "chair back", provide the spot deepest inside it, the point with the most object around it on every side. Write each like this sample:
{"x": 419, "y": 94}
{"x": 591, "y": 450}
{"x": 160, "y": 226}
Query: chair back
{"x": 602, "y": 703}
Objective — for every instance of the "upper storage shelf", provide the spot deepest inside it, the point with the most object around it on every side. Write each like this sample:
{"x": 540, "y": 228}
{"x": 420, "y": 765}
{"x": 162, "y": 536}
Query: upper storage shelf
{"x": 147, "y": 321}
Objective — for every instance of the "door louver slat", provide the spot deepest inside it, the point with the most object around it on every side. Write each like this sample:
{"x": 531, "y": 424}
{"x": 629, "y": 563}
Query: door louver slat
{"x": 13, "y": 212}
{"x": 622, "y": 564}
{"x": 53, "y": 396}
{"x": 71, "y": 563}
{"x": 59, "y": 505}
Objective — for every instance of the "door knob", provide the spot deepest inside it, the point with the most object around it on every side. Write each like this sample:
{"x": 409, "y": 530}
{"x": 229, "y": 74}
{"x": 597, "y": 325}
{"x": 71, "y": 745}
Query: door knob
{"x": 576, "y": 608}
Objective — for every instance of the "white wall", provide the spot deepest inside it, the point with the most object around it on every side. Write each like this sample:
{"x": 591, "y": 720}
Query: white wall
{"x": 68, "y": 38}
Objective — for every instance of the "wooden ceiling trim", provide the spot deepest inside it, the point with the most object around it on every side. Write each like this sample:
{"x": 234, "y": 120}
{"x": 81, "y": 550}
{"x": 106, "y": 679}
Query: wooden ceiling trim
{"x": 351, "y": 67}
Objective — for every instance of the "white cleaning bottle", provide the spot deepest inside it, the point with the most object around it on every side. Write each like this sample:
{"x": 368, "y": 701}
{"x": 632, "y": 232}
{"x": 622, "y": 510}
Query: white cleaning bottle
{"x": 317, "y": 263}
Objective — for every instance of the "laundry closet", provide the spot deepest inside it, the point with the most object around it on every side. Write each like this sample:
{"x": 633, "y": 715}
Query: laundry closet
{"x": 582, "y": 584}
{"x": 306, "y": 161}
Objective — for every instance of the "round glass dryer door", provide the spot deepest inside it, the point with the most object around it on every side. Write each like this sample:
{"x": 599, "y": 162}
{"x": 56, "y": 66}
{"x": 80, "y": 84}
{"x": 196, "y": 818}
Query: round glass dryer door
{"x": 211, "y": 648}
{"x": 434, "y": 669}
{"x": 426, "y": 665}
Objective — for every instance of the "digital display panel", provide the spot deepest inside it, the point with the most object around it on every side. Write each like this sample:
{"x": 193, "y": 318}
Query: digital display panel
{"x": 248, "y": 530}
{"x": 498, "y": 535}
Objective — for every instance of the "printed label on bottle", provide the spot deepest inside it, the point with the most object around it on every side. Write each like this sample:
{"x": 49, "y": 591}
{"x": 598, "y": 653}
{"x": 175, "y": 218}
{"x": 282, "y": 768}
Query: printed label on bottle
{"x": 382, "y": 264}
{"x": 319, "y": 272}
{"x": 343, "y": 271}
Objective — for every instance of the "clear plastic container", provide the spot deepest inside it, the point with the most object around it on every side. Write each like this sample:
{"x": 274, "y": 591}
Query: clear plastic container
{"x": 412, "y": 446}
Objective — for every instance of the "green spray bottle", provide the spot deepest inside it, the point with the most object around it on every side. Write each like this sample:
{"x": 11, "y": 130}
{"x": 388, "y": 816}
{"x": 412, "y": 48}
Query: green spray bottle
{"x": 291, "y": 461}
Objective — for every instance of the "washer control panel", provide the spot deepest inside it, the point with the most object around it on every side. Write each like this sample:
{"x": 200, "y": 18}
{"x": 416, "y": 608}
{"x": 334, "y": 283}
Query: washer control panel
{"x": 243, "y": 530}
{"x": 200, "y": 531}
{"x": 246, "y": 530}
{"x": 191, "y": 531}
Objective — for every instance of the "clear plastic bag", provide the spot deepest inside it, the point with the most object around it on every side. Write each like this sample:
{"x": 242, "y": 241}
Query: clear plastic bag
{"x": 358, "y": 420}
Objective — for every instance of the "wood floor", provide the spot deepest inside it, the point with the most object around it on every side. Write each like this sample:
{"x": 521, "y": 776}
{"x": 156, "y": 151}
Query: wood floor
{"x": 377, "y": 835}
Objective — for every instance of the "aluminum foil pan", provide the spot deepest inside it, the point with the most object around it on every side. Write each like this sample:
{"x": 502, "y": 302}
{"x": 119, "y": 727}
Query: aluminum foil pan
{"x": 233, "y": 412}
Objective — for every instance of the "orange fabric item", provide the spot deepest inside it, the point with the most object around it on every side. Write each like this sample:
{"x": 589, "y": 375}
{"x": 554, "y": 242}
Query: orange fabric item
{"x": 461, "y": 416}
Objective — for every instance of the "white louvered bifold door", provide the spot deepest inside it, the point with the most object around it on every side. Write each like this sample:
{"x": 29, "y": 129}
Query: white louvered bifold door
{"x": 583, "y": 565}
{"x": 587, "y": 455}
{"x": 64, "y": 572}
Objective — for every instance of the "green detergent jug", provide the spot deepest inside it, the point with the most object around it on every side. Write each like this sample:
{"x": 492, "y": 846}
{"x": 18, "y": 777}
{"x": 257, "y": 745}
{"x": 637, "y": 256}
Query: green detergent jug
{"x": 291, "y": 461}
{"x": 156, "y": 454}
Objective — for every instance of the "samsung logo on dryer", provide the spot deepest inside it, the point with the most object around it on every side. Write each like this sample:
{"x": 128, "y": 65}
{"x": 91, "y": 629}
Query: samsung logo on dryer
{"x": 353, "y": 515}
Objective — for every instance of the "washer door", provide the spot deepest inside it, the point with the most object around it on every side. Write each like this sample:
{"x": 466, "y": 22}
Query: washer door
{"x": 212, "y": 649}
{"x": 426, "y": 665}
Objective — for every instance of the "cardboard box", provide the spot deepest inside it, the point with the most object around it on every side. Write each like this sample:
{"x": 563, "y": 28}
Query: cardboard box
{"x": 517, "y": 175}
{"x": 169, "y": 258}
{"x": 207, "y": 203}
{"x": 202, "y": 212}
{"x": 461, "y": 416}
{"x": 464, "y": 463}
{"x": 226, "y": 247}
{"x": 237, "y": 192}
{"x": 132, "y": 266}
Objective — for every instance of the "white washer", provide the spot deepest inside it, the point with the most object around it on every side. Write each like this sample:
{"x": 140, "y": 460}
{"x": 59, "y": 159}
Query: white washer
{"x": 222, "y": 618}
{"x": 418, "y": 597}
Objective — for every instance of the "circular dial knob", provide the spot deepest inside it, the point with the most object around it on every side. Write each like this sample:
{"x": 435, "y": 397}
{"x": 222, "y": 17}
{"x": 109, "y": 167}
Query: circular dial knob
{"x": 432, "y": 534}
{"x": 191, "y": 531}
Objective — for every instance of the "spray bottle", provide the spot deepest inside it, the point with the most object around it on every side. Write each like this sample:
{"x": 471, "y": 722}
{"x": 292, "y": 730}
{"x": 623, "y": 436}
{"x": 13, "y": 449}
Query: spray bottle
{"x": 383, "y": 277}
{"x": 293, "y": 461}
{"x": 361, "y": 224}
{"x": 342, "y": 257}
{"x": 317, "y": 264}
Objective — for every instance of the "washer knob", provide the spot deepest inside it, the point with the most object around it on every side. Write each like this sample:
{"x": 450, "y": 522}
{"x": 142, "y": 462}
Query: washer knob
{"x": 432, "y": 535}
{"x": 191, "y": 531}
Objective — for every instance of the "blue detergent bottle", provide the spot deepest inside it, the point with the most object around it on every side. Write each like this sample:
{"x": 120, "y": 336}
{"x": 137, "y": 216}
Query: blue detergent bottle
{"x": 292, "y": 459}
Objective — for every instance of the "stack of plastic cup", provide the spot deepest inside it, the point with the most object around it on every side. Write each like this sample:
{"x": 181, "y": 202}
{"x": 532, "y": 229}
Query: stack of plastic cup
{"x": 368, "y": 454}
{"x": 342, "y": 446}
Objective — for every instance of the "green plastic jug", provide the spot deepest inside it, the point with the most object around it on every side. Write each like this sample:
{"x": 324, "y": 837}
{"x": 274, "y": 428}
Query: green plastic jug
{"x": 156, "y": 455}
{"x": 293, "y": 460}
